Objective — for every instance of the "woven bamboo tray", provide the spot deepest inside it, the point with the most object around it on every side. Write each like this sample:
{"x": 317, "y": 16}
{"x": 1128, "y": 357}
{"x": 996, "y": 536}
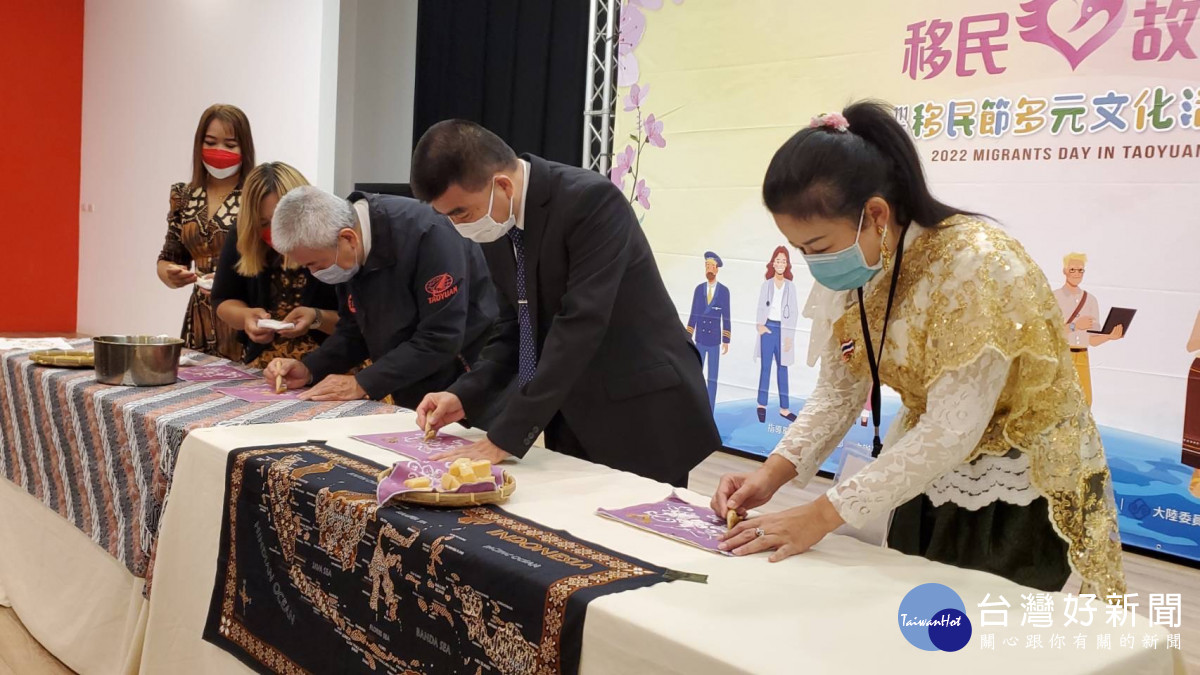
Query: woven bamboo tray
{"x": 64, "y": 358}
{"x": 459, "y": 499}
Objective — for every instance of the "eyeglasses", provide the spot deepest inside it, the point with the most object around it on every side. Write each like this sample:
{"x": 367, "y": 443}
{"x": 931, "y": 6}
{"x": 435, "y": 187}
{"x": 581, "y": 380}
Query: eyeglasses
{"x": 1075, "y": 270}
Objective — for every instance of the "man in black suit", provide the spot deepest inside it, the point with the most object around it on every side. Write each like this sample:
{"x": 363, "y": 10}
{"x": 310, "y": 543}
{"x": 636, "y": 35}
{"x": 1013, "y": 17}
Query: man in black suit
{"x": 588, "y": 347}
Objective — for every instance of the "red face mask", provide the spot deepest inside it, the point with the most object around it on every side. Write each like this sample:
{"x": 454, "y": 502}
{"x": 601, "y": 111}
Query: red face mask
{"x": 265, "y": 234}
{"x": 220, "y": 159}
{"x": 220, "y": 163}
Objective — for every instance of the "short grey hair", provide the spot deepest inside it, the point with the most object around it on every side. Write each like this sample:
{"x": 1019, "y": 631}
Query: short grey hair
{"x": 309, "y": 217}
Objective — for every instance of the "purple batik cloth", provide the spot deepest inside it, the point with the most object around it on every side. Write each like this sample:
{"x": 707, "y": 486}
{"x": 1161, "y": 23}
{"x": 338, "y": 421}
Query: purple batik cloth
{"x": 676, "y": 519}
{"x": 413, "y": 443}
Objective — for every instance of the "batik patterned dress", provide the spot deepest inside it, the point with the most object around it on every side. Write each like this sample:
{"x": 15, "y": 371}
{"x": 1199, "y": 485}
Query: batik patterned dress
{"x": 194, "y": 237}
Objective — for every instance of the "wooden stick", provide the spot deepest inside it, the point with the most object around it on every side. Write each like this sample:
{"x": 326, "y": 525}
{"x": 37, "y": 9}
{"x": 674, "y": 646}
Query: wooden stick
{"x": 279, "y": 388}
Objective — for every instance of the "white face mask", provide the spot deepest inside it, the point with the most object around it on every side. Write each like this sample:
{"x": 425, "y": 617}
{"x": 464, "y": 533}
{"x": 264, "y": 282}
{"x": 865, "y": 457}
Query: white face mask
{"x": 486, "y": 229}
{"x": 220, "y": 174}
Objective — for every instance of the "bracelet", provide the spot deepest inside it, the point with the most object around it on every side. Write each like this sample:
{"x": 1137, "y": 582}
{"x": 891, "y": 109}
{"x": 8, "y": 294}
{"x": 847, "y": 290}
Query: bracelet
{"x": 316, "y": 322}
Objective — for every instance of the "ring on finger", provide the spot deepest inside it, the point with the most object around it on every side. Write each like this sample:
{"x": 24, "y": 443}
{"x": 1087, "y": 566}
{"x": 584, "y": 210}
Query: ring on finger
{"x": 759, "y": 532}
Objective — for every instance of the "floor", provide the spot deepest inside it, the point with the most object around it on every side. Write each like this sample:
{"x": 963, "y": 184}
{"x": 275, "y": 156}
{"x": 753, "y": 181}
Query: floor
{"x": 20, "y": 654}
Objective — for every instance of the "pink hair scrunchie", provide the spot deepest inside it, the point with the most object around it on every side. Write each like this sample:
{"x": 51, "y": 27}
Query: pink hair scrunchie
{"x": 834, "y": 121}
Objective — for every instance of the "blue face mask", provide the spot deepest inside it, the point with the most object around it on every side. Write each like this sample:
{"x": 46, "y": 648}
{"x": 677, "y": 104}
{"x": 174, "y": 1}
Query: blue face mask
{"x": 844, "y": 270}
{"x": 334, "y": 275}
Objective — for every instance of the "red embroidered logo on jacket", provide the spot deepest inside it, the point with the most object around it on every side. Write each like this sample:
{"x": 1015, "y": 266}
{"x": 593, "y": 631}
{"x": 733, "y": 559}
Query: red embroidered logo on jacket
{"x": 350, "y": 304}
{"x": 440, "y": 287}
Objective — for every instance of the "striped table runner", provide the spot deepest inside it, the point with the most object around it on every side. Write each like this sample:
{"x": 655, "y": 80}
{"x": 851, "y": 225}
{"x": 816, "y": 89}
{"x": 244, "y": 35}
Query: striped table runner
{"x": 102, "y": 456}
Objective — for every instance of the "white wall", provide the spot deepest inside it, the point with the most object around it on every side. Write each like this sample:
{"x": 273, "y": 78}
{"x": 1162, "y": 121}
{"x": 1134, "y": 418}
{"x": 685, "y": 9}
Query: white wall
{"x": 150, "y": 67}
{"x": 376, "y": 82}
{"x": 343, "y": 170}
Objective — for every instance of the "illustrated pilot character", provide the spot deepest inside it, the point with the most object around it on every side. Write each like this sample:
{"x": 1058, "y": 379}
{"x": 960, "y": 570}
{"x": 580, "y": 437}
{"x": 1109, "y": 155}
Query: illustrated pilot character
{"x": 709, "y": 323}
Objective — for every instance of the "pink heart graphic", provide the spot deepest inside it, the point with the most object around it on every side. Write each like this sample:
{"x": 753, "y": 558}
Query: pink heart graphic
{"x": 1037, "y": 29}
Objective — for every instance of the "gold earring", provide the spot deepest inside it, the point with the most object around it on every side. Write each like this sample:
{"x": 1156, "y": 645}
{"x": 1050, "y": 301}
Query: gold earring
{"x": 884, "y": 251}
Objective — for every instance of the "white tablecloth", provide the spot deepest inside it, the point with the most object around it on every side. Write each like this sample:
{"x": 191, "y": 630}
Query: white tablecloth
{"x": 81, "y": 603}
{"x": 833, "y": 609}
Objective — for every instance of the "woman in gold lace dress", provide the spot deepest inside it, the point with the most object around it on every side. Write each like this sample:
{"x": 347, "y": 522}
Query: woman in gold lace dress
{"x": 994, "y": 462}
{"x": 202, "y": 211}
{"x": 254, "y": 282}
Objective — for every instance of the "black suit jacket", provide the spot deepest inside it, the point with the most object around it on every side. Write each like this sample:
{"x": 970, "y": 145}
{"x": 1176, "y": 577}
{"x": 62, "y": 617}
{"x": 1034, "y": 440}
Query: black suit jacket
{"x": 614, "y": 359}
{"x": 421, "y": 307}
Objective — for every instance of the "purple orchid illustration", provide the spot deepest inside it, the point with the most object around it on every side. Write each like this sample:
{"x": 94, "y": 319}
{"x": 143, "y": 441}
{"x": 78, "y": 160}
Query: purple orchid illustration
{"x": 631, "y": 30}
{"x": 622, "y": 167}
{"x": 649, "y": 129}
{"x": 641, "y": 194}
{"x": 654, "y": 132}
{"x": 636, "y": 95}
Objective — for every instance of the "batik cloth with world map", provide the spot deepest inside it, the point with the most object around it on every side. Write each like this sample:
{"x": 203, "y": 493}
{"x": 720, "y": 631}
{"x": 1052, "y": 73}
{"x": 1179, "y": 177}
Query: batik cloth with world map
{"x": 314, "y": 576}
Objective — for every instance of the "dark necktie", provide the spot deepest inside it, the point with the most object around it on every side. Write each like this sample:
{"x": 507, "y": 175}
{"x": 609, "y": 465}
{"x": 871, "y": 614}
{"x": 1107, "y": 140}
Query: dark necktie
{"x": 527, "y": 363}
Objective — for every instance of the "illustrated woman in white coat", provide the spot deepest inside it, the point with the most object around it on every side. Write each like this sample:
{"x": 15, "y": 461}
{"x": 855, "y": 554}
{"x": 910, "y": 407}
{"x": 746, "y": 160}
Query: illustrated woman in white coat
{"x": 778, "y": 312}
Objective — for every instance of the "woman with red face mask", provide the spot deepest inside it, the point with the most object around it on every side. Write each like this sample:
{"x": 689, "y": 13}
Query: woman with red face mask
{"x": 202, "y": 212}
{"x": 253, "y": 282}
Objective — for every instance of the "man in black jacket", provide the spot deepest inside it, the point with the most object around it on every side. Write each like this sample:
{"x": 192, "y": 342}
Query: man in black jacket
{"x": 413, "y": 296}
{"x": 587, "y": 331}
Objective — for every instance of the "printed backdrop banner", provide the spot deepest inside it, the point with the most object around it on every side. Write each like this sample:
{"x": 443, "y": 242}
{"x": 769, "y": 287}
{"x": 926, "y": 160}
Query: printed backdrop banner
{"x": 1072, "y": 123}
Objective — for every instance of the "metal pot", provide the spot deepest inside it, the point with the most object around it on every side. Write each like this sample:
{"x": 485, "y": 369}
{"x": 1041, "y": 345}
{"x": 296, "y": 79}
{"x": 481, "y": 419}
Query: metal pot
{"x": 137, "y": 360}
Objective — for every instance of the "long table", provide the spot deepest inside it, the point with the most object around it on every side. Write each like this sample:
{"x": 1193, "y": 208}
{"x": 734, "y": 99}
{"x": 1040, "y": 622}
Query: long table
{"x": 87, "y": 469}
{"x": 833, "y": 609}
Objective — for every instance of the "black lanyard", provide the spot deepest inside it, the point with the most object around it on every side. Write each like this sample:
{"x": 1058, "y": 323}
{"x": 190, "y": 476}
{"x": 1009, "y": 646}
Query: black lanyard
{"x": 876, "y": 388}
